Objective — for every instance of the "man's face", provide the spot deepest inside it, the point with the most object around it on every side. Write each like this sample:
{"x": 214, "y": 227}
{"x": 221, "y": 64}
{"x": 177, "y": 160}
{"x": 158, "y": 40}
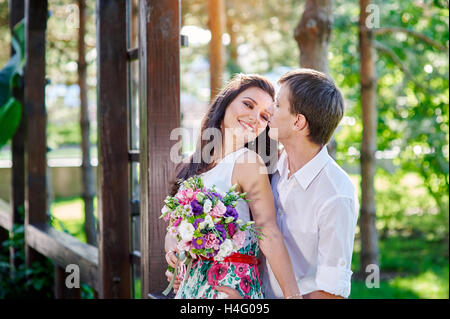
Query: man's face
{"x": 282, "y": 121}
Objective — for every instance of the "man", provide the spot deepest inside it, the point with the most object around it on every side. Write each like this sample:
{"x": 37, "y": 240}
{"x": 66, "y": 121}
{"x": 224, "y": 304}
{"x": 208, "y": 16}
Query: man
{"x": 317, "y": 208}
{"x": 316, "y": 205}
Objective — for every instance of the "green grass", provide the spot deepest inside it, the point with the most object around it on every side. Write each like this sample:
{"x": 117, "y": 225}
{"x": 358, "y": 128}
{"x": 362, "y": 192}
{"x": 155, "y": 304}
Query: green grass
{"x": 421, "y": 268}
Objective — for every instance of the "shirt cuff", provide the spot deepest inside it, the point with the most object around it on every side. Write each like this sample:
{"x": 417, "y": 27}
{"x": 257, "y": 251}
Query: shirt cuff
{"x": 334, "y": 280}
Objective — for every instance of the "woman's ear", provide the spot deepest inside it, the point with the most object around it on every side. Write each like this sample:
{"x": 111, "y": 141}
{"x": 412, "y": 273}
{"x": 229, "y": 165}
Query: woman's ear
{"x": 300, "y": 123}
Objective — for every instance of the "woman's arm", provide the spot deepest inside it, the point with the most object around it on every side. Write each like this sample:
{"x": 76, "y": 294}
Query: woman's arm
{"x": 251, "y": 176}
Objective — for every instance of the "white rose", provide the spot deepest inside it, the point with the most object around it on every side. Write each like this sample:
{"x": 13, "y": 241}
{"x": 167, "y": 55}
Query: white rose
{"x": 208, "y": 222}
{"x": 186, "y": 230}
{"x": 226, "y": 248}
{"x": 207, "y": 206}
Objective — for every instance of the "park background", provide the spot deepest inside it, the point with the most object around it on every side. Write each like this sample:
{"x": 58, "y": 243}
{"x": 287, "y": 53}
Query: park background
{"x": 406, "y": 120}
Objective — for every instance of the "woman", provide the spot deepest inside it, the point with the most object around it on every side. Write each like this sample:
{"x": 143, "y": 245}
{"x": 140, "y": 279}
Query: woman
{"x": 239, "y": 113}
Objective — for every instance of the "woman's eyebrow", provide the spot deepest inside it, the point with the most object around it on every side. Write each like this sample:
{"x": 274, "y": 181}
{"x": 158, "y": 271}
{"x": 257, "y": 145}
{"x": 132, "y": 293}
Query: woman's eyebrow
{"x": 246, "y": 97}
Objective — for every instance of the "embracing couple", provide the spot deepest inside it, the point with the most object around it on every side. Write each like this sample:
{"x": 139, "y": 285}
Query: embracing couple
{"x": 305, "y": 205}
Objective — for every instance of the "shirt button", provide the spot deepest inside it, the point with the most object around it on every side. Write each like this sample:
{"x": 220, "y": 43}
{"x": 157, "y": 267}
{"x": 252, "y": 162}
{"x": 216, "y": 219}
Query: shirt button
{"x": 342, "y": 263}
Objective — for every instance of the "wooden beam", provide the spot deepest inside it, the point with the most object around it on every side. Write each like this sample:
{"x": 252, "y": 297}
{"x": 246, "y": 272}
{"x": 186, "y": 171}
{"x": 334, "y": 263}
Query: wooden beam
{"x": 5, "y": 216}
{"x": 114, "y": 208}
{"x": 34, "y": 95}
{"x": 159, "y": 64}
{"x": 64, "y": 249}
{"x": 17, "y": 13}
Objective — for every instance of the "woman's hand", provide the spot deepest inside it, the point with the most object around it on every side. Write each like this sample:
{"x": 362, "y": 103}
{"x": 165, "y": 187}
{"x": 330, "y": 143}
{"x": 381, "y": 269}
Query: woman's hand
{"x": 176, "y": 283}
{"x": 171, "y": 258}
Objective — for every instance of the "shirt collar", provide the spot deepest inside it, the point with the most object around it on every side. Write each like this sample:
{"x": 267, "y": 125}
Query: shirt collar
{"x": 309, "y": 171}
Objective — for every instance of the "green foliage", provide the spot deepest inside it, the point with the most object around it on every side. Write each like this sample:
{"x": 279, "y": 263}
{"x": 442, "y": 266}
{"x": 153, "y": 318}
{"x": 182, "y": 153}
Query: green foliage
{"x": 412, "y": 98}
{"x": 10, "y": 79}
{"x": 34, "y": 282}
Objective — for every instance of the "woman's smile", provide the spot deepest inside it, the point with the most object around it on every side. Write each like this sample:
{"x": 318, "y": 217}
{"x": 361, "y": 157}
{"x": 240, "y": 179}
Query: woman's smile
{"x": 246, "y": 126}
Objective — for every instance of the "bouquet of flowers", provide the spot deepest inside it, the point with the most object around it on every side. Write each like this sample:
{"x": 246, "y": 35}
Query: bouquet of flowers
{"x": 205, "y": 223}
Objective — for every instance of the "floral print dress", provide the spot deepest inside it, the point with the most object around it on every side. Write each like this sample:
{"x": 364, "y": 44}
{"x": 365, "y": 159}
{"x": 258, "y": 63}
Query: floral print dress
{"x": 205, "y": 275}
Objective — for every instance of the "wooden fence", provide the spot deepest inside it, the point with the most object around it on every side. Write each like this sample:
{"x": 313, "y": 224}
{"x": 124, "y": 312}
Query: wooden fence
{"x": 106, "y": 268}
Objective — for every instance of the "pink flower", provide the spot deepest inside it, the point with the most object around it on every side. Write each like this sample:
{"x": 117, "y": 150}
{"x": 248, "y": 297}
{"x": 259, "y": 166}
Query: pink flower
{"x": 217, "y": 272}
{"x": 177, "y": 222}
{"x": 186, "y": 196}
{"x": 212, "y": 241}
{"x": 239, "y": 239}
{"x": 165, "y": 211}
{"x": 245, "y": 284}
{"x": 190, "y": 194}
{"x": 241, "y": 269}
{"x": 219, "y": 210}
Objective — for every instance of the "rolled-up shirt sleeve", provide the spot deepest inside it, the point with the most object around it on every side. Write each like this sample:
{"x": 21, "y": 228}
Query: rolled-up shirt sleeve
{"x": 336, "y": 226}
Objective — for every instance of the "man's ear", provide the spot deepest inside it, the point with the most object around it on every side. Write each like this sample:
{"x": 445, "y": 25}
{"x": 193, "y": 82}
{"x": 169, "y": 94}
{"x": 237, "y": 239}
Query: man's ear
{"x": 300, "y": 123}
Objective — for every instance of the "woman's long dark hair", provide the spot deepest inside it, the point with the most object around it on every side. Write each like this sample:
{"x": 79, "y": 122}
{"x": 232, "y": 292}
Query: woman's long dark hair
{"x": 213, "y": 120}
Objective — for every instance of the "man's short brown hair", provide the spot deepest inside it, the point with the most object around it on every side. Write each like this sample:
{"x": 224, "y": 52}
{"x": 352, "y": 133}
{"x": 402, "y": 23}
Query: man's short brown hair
{"x": 315, "y": 95}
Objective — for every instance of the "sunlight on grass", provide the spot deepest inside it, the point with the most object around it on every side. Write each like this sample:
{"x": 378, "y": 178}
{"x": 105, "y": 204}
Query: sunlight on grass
{"x": 69, "y": 216}
{"x": 428, "y": 285}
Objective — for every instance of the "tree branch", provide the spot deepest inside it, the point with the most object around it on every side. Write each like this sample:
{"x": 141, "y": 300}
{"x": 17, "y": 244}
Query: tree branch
{"x": 413, "y": 33}
{"x": 390, "y": 53}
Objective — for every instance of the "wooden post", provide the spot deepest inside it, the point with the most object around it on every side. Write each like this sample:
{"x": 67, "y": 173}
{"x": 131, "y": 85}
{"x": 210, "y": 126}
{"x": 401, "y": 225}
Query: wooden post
{"x": 34, "y": 95}
{"x": 86, "y": 167}
{"x": 114, "y": 208}
{"x": 17, "y": 13}
{"x": 159, "y": 64}
{"x": 61, "y": 290}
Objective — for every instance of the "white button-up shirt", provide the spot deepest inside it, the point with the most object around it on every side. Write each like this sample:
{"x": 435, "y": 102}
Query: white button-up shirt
{"x": 317, "y": 210}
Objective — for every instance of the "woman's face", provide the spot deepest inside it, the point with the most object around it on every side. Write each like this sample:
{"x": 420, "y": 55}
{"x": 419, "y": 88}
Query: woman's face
{"x": 247, "y": 116}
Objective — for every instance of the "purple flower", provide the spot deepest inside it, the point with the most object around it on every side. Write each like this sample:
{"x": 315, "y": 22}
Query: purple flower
{"x": 216, "y": 195}
{"x": 197, "y": 209}
{"x": 231, "y": 212}
{"x": 223, "y": 233}
{"x": 199, "y": 243}
{"x": 197, "y": 221}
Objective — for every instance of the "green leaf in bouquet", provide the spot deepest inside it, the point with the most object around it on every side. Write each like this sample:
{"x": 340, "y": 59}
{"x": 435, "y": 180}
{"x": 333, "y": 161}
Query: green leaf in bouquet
{"x": 197, "y": 234}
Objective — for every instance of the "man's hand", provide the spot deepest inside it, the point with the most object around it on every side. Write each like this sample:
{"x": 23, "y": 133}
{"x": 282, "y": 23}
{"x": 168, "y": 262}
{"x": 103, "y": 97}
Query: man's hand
{"x": 231, "y": 293}
{"x": 321, "y": 294}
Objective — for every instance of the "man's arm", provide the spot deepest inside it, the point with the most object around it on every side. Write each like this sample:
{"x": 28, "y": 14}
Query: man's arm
{"x": 321, "y": 294}
{"x": 336, "y": 223}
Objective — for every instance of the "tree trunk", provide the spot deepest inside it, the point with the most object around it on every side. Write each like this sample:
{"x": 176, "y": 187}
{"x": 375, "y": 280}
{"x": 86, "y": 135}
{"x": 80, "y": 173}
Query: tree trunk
{"x": 232, "y": 63}
{"x": 313, "y": 35}
{"x": 216, "y": 12}
{"x": 369, "y": 237}
{"x": 87, "y": 171}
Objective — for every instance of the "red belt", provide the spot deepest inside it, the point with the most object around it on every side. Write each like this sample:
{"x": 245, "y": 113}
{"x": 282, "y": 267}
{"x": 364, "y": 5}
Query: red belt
{"x": 237, "y": 258}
